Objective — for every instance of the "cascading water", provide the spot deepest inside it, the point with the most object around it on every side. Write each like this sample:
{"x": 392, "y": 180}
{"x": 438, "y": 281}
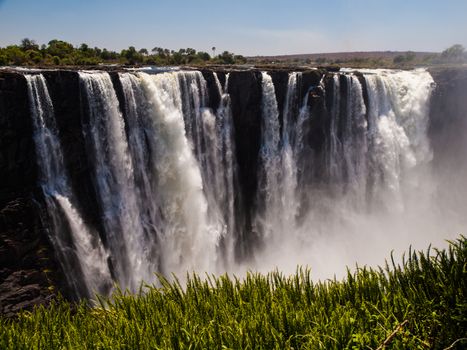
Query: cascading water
{"x": 186, "y": 239}
{"x": 372, "y": 169}
{"x": 269, "y": 201}
{"x": 398, "y": 121}
{"x": 205, "y": 132}
{"x": 346, "y": 154}
{"x": 165, "y": 174}
{"x": 115, "y": 183}
{"x": 79, "y": 249}
{"x": 227, "y": 172}
{"x": 280, "y": 156}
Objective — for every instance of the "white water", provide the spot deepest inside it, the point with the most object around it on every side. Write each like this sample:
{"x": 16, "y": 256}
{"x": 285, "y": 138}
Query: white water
{"x": 226, "y": 171}
{"x": 380, "y": 188}
{"x": 81, "y": 254}
{"x": 194, "y": 223}
{"x": 187, "y": 241}
{"x": 115, "y": 183}
{"x": 270, "y": 208}
{"x": 165, "y": 173}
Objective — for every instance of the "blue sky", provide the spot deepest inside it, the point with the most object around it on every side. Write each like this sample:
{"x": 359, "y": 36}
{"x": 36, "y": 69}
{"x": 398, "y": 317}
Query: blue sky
{"x": 249, "y": 27}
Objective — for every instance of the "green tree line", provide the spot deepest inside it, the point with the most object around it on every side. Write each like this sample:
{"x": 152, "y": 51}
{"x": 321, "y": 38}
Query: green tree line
{"x": 455, "y": 54}
{"x": 59, "y": 52}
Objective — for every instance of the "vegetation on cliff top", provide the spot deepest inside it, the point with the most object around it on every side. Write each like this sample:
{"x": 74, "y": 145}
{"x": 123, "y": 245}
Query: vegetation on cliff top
{"x": 420, "y": 304}
{"x": 58, "y": 52}
{"x": 62, "y": 53}
{"x": 455, "y": 54}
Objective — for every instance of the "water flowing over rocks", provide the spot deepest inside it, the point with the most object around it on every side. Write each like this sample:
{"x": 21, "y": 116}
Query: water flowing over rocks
{"x": 138, "y": 173}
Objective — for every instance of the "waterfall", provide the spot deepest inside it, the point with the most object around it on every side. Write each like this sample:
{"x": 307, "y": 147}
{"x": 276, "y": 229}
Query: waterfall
{"x": 210, "y": 134}
{"x": 115, "y": 183}
{"x": 188, "y": 241}
{"x": 227, "y": 170}
{"x": 374, "y": 158}
{"x": 397, "y": 123}
{"x": 280, "y": 157}
{"x": 269, "y": 176}
{"x": 205, "y": 136}
{"x": 334, "y": 168}
{"x": 164, "y": 167}
{"x": 79, "y": 248}
{"x": 347, "y": 144}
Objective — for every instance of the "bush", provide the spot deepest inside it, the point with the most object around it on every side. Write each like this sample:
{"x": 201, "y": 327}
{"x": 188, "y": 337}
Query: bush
{"x": 3, "y": 60}
{"x": 419, "y": 304}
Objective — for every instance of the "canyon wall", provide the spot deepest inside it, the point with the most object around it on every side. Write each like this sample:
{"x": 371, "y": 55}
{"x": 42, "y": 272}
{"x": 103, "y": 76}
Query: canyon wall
{"x": 30, "y": 272}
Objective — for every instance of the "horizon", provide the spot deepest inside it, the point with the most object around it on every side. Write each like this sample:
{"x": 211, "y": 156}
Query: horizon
{"x": 346, "y": 52}
{"x": 249, "y": 29}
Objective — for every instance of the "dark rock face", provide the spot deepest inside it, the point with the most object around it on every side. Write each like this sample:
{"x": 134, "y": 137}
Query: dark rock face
{"x": 316, "y": 102}
{"x": 448, "y": 114}
{"x": 213, "y": 92}
{"x": 66, "y": 98}
{"x": 29, "y": 274}
{"x": 28, "y": 270}
{"x": 17, "y": 171}
{"x": 448, "y": 123}
{"x": 280, "y": 80}
{"x": 246, "y": 94}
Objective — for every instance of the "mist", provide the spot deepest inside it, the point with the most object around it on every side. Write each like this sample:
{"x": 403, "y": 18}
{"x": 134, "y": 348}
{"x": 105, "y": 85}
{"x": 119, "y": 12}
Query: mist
{"x": 399, "y": 183}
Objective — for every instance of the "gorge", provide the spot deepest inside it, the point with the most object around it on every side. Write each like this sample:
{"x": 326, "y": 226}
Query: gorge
{"x": 110, "y": 176}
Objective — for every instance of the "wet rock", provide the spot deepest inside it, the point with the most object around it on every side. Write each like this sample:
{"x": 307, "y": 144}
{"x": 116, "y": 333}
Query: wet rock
{"x": 25, "y": 251}
{"x": 246, "y": 94}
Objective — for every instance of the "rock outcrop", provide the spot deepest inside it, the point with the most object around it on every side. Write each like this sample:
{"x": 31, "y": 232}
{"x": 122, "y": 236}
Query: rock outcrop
{"x": 29, "y": 274}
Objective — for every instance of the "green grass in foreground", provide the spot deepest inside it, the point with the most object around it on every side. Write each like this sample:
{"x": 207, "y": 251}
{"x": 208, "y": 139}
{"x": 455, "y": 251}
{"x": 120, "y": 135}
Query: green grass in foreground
{"x": 420, "y": 304}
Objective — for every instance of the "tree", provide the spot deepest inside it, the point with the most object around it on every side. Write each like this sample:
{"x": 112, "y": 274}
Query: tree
{"x": 239, "y": 59}
{"x": 213, "y": 51}
{"x": 190, "y": 55}
{"x": 59, "y": 48}
{"x": 132, "y": 56}
{"x": 105, "y": 55}
{"x": 455, "y": 53}
{"x": 177, "y": 57}
{"x": 409, "y": 56}
{"x": 59, "y": 52}
{"x": 34, "y": 56}
{"x": 203, "y": 56}
{"x": 227, "y": 58}
{"x": 84, "y": 47}
{"x": 15, "y": 55}
{"x": 28, "y": 44}
{"x": 3, "y": 60}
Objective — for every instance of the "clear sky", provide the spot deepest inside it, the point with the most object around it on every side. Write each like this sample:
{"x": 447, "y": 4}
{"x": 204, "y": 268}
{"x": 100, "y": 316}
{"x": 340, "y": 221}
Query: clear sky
{"x": 248, "y": 27}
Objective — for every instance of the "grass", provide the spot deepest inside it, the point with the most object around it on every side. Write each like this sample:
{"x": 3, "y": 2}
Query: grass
{"x": 419, "y": 304}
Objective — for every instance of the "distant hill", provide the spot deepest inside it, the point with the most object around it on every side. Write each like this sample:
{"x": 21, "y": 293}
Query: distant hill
{"x": 342, "y": 56}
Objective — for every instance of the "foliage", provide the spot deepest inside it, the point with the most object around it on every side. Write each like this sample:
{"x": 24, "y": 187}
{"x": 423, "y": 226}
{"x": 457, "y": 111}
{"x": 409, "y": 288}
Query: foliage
{"x": 455, "y": 53}
{"x": 58, "y": 52}
{"x": 407, "y": 57}
{"x": 420, "y": 304}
